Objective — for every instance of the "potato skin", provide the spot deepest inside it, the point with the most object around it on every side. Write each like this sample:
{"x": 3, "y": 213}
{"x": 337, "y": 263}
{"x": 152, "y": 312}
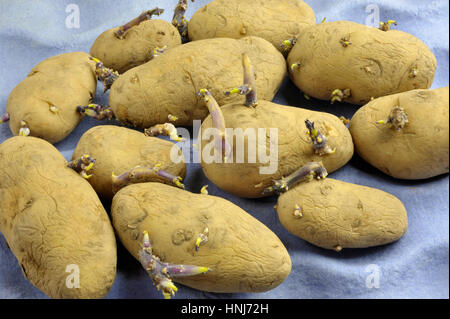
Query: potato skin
{"x": 337, "y": 213}
{"x": 52, "y": 218}
{"x": 273, "y": 20}
{"x": 421, "y": 149}
{"x": 244, "y": 255}
{"x": 146, "y": 95}
{"x": 376, "y": 63}
{"x": 118, "y": 149}
{"x": 137, "y": 46}
{"x": 294, "y": 145}
{"x": 65, "y": 81}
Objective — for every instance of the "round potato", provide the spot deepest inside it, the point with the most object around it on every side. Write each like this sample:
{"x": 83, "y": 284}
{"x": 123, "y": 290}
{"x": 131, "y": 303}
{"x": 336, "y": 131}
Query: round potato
{"x": 248, "y": 173}
{"x": 118, "y": 149}
{"x": 347, "y": 61}
{"x": 273, "y": 20}
{"x": 415, "y": 146}
{"x": 45, "y": 103}
{"x": 242, "y": 253}
{"x": 333, "y": 214}
{"x": 168, "y": 85}
{"x": 54, "y": 222}
{"x": 137, "y": 46}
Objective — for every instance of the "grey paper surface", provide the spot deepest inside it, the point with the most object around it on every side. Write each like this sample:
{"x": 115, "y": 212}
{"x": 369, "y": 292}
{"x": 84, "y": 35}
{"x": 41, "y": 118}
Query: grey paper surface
{"x": 417, "y": 266}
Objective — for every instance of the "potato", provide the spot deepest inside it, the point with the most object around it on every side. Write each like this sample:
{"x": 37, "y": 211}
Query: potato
{"x": 347, "y": 61}
{"x": 273, "y": 20}
{"x": 119, "y": 149}
{"x": 47, "y": 99}
{"x": 294, "y": 145}
{"x": 168, "y": 85}
{"x": 333, "y": 214}
{"x": 137, "y": 46}
{"x": 417, "y": 150}
{"x": 54, "y": 222}
{"x": 243, "y": 254}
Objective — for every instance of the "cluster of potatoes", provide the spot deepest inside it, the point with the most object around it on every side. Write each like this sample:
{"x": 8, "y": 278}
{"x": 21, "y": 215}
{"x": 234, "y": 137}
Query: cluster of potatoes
{"x": 162, "y": 75}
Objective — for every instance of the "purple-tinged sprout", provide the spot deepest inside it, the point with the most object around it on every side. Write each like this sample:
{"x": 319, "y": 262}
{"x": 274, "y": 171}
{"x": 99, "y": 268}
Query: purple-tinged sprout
{"x": 295, "y": 66}
{"x": 319, "y": 141}
{"x": 339, "y": 95}
{"x": 141, "y": 174}
{"x": 218, "y": 122}
{"x": 345, "y": 41}
{"x": 82, "y": 165}
{"x": 96, "y": 111}
{"x": 24, "y": 129}
{"x": 167, "y": 129}
{"x": 386, "y": 26}
{"x": 397, "y": 119}
{"x": 157, "y": 51}
{"x": 146, "y": 15}
{"x": 287, "y": 45}
{"x": 249, "y": 87}
{"x": 104, "y": 74}
{"x": 179, "y": 20}
{"x": 201, "y": 238}
{"x": 306, "y": 172}
{"x": 204, "y": 190}
{"x": 162, "y": 273}
{"x": 344, "y": 120}
{"x": 4, "y": 118}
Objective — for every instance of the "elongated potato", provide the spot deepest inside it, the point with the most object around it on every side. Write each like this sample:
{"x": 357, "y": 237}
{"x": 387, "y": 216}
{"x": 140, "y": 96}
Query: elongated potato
{"x": 137, "y": 46}
{"x": 168, "y": 85}
{"x": 333, "y": 214}
{"x": 242, "y": 253}
{"x": 347, "y": 61}
{"x": 294, "y": 146}
{"x": 118, "y": 149}
{"x": 54, "y": 222}
{"x": 46, "y": 101}
{"x": 273, "y": 20}
{"x": 416, "y": 149}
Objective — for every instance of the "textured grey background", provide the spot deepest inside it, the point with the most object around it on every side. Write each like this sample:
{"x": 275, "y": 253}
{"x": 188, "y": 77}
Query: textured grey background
{"x": 417, "y": 266}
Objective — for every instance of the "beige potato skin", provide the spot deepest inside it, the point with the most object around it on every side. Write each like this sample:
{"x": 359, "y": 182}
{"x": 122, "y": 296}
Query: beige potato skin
{"x": 52, "y": 218}
{"x": 294, "y": 145}
{"x": 136, "y": 47}
{"x": 339, "y": 214}
{"x": 118, "y": 149}
{"x": 273, "y": 20}
{"x": 64, "y": 81}
{"x": 244, "y": 255}
{"x": 421, "y": 149}
{"x": 376, "y": 63}
{"x": 146, "y": 95}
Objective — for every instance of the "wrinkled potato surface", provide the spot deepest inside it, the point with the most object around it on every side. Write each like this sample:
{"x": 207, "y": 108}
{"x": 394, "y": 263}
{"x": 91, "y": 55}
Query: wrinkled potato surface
{"x": 338, "y": 215}
{"x": 168, "y": 85}
{"x": 51, "y": 219}
{"x": 294, "y": 145}
{"x": 273, "y": 20}
{"x": 47, "y": 99}
{"x": 419, "y": 150}
{"x": 243, "y": 254}
{"x": 118, "y": 149}
{"x": 375, "y": 63}
{"x": 136, "y": 47}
